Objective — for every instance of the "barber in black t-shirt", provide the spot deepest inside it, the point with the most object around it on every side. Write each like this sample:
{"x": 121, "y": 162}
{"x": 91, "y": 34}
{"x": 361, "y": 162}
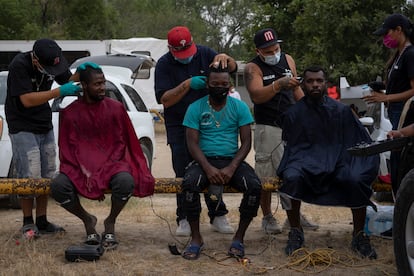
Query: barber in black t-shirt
{"x": 272, "y": 85}
{"x": 29, "y": 119}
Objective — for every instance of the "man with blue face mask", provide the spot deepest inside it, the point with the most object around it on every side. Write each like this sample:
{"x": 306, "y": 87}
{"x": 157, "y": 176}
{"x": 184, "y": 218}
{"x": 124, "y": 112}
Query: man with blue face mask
{"x": 180, "y": 79}
{"x": 272, "y": 85}
{"x": 215, "y": 124}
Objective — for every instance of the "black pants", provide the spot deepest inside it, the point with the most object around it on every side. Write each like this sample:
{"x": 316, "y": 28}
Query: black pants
{"x": 244, "y": 180}
{"x": 63, "y": 190}
{"x": 180, "y": 159}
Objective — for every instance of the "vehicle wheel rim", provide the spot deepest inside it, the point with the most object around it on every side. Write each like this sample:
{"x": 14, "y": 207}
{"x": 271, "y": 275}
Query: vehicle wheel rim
{"x": 409, "y": 236}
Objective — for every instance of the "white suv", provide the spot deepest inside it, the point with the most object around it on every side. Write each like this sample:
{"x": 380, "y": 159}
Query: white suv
{"x": 118, "y": 87}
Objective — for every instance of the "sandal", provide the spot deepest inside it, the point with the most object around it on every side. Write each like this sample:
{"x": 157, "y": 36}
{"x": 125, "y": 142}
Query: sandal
{"x": 92, "y": 239}
{"x": 192, "y": 252}
{"x": 236, "y": 250}
{"x": 30, "y": 231}
{"x": 52, "y": 229}
{"x": 109, "y": 241}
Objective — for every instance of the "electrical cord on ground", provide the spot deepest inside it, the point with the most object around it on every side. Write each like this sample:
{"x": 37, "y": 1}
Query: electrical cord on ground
{"x": 171, "y": 246}
{"x": 319, "y": 260}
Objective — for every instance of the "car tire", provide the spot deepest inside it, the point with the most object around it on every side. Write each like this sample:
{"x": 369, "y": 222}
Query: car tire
{"x": 147, "y": 154}
{"x": 403, "y": 226}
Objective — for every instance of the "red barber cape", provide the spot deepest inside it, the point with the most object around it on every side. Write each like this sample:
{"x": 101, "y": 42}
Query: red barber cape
{"x": 97, "y": 141}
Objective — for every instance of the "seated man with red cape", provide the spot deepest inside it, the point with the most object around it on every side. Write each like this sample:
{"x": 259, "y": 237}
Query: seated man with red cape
{"x": 99, "y": 150}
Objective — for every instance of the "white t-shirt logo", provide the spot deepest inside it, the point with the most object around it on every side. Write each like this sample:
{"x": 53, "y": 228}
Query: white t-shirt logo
{"x": 268, "y": 36}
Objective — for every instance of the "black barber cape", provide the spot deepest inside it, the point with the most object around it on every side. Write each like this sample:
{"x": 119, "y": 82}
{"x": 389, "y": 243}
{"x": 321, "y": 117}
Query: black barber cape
{"x": 316, "y": 167}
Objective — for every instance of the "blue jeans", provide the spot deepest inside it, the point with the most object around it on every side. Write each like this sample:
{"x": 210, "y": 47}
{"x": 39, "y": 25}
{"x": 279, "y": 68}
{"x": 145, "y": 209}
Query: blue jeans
{"x": 34, "y": 155}
{"x": 180, "y": 159}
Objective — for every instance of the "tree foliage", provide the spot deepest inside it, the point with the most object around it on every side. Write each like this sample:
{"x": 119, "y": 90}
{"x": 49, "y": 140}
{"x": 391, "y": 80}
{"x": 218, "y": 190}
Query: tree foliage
{"x": 334, "y": 34}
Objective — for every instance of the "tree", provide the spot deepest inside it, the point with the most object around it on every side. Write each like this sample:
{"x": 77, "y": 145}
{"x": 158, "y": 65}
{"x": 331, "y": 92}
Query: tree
{"x": 334, "y": 34}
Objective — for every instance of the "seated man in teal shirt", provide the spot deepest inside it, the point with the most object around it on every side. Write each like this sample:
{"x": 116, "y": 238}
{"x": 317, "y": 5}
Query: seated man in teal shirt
{"x": 214, "y": 124}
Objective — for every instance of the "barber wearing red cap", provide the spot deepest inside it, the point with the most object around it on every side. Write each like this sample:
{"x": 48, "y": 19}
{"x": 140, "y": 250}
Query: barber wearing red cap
{"x": 180, "y": 79}
{"x": 29, "y": 119}
{"x": 397, "y": 33}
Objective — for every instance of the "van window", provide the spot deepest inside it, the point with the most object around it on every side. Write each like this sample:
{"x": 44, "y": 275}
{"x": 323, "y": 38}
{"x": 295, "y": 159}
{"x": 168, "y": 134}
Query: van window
{"x": 3, "y": 89}
{"x": 5, "y": 59}
{"x": 71, "y": 56}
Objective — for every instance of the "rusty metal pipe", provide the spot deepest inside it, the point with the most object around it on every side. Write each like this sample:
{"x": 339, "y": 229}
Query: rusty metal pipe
{"x": 27, "y": 186}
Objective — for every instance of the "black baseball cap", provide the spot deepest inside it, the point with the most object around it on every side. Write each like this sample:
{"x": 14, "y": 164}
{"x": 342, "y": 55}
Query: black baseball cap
{"x": 392, "y": 22}
{"x": 49, "y": 55}
{"x": 265, "y": 38}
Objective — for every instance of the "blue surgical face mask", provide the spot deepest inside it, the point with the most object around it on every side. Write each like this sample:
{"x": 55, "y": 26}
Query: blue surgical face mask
{"x": 273, "y": 59}
{"x": 184, "y": 60}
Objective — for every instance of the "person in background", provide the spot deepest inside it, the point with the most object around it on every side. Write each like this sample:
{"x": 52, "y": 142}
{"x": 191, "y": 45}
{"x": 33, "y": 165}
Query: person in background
{"x": 233, "y": 93}
{"x": 29, "y": 119}
{"x": 271, "y": 81}
{"x": 180, "y": 79}
{"x": 98, "y": 150}
{"x": 214, "y": 124}
{"x": 397, "y": 33}
{"x": 316, "y": 167}
{"x": 332, "y": 91}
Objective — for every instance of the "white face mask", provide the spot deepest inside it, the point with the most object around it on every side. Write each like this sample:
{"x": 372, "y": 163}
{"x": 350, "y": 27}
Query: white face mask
{"x": 273, "y": 59}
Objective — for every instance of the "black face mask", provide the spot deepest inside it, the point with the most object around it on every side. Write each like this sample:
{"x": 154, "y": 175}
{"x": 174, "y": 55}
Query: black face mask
{"x": 218, "y": 94}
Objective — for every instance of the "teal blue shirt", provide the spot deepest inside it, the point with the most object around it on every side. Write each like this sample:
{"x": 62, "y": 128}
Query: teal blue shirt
{"x": 219, "y": 130}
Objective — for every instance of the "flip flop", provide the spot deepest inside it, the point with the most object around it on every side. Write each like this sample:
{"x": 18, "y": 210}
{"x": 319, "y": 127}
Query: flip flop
{"x": 109, "y": 241}
{"x": 30, "y": 231}
{"x": 192, "y": 252}
{"x": 236, "y": 250}
{"x": 92, "y": 239}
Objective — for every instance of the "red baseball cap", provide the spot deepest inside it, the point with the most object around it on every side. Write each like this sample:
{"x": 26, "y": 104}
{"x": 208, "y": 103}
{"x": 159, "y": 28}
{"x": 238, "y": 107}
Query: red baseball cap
{"x": 180, "y": 42}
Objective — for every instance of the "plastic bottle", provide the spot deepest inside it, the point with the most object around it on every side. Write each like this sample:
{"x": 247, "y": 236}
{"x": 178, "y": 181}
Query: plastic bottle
{"x": 378, "y": 222}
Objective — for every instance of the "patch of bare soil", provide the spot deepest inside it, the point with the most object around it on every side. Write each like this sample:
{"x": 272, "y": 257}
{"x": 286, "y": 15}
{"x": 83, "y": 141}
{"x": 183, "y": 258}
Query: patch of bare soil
{"x": 146, "y": 227}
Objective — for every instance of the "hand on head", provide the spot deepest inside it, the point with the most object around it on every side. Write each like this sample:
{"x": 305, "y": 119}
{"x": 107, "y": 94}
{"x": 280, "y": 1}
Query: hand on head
{"x": 222, "y": 59}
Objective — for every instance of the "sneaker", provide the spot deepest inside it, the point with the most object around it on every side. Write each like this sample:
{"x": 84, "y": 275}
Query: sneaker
{"x": 295, "y": 241}
{"x": 220, "y": 224}
{"x": 183, "y": 229}
{"x": 304, "y": 222}
{"x": 270, "y": 225}
{"x": 361, "y": 244}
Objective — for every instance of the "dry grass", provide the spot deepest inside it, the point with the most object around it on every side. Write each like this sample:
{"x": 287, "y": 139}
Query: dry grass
{"x": 144, "y": 237}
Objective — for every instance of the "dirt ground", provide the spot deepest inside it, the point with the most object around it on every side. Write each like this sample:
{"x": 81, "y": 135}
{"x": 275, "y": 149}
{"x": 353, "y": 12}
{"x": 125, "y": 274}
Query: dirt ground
{"x": 146, "y": 227}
